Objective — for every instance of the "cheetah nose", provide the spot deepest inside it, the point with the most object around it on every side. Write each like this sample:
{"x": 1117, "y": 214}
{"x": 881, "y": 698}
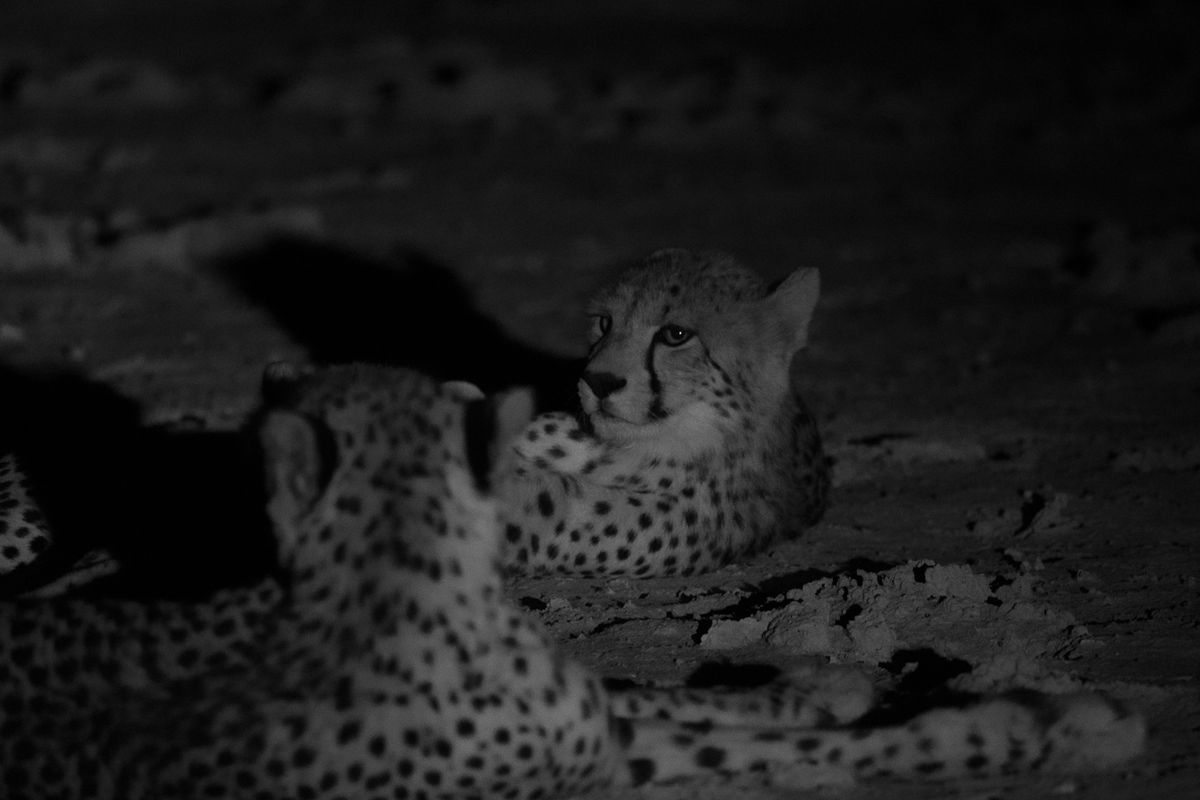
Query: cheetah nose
{"x": 603, "y": 384}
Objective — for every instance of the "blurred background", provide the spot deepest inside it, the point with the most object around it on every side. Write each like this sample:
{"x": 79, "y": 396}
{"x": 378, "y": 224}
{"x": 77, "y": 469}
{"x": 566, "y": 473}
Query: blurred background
{"x": 506, "y": 153}
{"x": 524, "y": 142}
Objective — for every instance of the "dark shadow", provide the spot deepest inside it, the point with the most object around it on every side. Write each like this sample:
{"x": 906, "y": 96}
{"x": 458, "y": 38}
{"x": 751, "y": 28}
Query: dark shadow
{"x": 1150, "y": 320}
{"x": 771, "y": 589}
{"x": 921, "y": 681}
{"x": 777, "y": 585}
{"x": 722, "y": 673}
{"x": 713, "y": 675}
{"x": 183, "y": 511}
{"x": 409, "y": 311}
{"x": 771, "y": 593}
{"x": 922, "y": 671}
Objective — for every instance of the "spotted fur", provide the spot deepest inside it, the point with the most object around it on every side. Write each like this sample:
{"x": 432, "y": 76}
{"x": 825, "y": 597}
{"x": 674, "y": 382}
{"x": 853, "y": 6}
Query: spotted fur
{"x": 24, "y": 535}
{"x": 391, "y": 665}
{"x": 699, "y": 452}
{"x": 695, "y": 447}
{"x": 1018, "y": 732}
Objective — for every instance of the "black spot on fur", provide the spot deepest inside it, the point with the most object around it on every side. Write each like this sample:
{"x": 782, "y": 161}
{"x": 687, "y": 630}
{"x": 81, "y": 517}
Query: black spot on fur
{"x": 710, "y": 757}
{"x": 348, "y": 732}
{"x": 348, "y": 504}
{"x": 641, "y": 771}
{"x": 545, "y": 504}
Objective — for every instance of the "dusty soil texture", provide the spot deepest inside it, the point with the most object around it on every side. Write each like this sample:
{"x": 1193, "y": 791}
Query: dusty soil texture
{"x": 1002, "y": 201}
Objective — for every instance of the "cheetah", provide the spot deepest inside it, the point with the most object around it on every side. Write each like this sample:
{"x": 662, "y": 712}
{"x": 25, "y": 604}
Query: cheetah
{"x": 694, "y": 447}
{"x": 389, "y": 663}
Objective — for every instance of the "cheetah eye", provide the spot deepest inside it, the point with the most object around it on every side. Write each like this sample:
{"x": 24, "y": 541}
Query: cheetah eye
{"x": 674, "y": 335}
{"x": 601, "y": 324}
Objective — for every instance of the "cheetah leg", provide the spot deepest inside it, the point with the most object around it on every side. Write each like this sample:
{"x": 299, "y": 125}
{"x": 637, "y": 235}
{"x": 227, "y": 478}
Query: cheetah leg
{"x": 91, "y": 566}
{"x": 822, "y": 697}
{"x": 556, "y": 441}
{"x": 1026, "y": 731}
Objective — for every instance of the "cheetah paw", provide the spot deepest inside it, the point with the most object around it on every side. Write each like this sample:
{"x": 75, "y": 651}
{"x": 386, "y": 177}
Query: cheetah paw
{"x": 555, "y": 441}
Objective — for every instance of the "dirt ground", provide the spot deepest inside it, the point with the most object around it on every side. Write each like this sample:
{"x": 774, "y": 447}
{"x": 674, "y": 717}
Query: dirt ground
{"x": 1002, "y": 202}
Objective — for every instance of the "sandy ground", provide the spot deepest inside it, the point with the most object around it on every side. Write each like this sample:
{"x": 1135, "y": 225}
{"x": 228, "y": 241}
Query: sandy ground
{"x": 1004, "y": 360}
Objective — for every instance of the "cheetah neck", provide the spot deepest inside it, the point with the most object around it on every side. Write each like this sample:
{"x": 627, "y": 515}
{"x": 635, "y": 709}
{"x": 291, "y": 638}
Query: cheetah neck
{"x": 707, "y": 449}
{"x": 693, "y": 433}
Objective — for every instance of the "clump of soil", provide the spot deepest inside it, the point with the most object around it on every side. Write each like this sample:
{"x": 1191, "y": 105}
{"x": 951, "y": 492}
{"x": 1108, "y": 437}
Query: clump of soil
{"x": 868, "y": 617}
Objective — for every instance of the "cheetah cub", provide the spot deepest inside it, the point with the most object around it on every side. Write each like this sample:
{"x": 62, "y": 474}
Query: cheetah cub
{"x": 694, "y": 447}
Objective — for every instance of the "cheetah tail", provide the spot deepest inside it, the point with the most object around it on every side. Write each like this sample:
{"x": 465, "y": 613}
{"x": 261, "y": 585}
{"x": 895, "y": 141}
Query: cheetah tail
{"x": 1020, "y": 732}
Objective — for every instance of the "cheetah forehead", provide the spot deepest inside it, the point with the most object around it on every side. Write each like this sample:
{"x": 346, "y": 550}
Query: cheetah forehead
{"x": 392, "y": 432}
{"x": 669, "y": 280}
{"x": 371, "y": 410}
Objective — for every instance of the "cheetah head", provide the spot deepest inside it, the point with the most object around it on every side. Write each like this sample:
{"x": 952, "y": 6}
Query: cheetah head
{"x": 376, "y": 481}
{"x": 689, "y": 347}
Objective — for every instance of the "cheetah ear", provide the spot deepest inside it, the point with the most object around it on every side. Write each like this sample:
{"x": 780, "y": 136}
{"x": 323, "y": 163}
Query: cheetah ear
{"x": 790, "y": 307}
{"x": 463, "y": 390}
{"x": 492, "y": 423}
{"x": 296, "y": 468}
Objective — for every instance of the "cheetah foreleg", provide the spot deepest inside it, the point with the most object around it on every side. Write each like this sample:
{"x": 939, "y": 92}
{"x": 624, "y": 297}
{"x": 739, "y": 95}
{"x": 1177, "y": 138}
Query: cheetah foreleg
{"x": 557, "y": 442}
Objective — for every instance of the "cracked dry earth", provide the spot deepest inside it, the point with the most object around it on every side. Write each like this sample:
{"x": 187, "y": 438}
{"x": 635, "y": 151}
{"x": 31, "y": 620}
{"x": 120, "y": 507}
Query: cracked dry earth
{"x": 1011, "y": 404}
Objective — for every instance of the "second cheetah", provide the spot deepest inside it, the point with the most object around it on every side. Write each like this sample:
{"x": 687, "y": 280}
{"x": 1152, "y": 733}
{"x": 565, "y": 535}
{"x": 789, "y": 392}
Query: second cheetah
{"x": 695, "y": 447}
